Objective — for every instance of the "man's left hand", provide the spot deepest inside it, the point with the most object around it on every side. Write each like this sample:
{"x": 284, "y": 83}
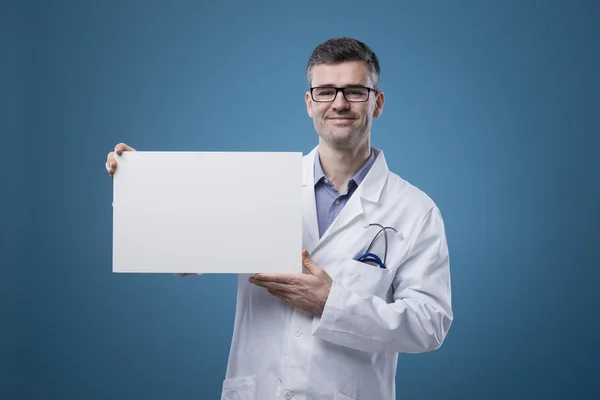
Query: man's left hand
{"x": 307, "y": 292}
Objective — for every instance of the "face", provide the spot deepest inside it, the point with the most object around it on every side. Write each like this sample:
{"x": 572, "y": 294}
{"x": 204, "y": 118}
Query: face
{"x": 341, "y": 123}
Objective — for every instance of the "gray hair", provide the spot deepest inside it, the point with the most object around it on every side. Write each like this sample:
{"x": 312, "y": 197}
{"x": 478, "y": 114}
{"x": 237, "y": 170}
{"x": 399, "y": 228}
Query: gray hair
{"x": 338, "y": 50}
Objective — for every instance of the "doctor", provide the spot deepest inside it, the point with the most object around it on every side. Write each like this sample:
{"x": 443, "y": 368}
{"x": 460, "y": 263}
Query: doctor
{"x": 334, "y": 332}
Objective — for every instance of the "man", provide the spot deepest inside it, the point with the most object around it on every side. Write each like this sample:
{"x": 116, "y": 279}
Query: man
{"x": 335, "y": 331}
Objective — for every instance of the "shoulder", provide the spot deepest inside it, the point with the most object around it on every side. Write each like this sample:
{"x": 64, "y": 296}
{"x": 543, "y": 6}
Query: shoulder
{"x": 408, "y": 194}
{"x": 412, "y": 208}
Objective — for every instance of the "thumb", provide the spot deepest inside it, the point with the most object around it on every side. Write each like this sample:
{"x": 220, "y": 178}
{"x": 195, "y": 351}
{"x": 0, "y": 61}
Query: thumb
{"x": 308, "y": 263}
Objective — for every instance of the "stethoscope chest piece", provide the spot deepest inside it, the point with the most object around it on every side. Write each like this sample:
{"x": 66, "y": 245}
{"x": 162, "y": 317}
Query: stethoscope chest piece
{"x": 370, "y": 258}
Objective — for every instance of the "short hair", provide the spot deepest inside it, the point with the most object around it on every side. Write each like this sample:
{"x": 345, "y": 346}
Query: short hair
{"x": 339, "y": 50}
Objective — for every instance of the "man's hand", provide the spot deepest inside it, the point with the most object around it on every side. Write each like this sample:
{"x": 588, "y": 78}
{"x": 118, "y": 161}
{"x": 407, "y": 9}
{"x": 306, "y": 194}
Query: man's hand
{"x": 111, "y": 162}
{"x": 307, "y": 292}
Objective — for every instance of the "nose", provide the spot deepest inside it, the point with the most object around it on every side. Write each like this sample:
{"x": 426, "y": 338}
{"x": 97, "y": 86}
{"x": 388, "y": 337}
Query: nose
{"x": 339, "y": 102}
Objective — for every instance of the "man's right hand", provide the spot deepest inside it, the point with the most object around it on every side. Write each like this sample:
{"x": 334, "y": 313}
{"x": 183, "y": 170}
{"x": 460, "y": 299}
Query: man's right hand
{"x": 111, "y": 161}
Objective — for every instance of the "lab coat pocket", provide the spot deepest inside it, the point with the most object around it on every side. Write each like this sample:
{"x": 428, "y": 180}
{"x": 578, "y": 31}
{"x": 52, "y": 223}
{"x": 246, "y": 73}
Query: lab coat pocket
{"x": 365, "y": 279}
{"x": 243, "y": 388}
{"x": 341, "y": 396}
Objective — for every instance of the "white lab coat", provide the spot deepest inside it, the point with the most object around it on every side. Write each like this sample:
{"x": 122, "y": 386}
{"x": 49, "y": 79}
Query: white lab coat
{"x": 372, "y": 314}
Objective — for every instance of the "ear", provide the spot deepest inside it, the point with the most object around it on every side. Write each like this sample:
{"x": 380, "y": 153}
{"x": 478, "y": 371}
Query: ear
{"x": 379, "y": 104}
{"x": 308, "y": 101}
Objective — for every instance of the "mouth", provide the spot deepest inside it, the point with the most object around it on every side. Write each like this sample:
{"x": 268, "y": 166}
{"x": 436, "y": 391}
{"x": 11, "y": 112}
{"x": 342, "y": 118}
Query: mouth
{"x": 342, "y": 119}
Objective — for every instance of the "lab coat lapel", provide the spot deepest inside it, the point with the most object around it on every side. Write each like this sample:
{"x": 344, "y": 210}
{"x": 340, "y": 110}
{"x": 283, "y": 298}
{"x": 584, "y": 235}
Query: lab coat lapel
{"x": 309, "y": 212}
{"x": 368, "y": 191}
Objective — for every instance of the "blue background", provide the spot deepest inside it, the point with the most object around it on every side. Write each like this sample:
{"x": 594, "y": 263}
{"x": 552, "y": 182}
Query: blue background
{"x": 492, "y": 109}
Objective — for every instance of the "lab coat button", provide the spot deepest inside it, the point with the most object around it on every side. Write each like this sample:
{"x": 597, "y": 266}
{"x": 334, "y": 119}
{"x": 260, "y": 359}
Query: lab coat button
{"x": 288, "y": 395}
{"x": 298, "y": 333}
{"x": 337, "y": 202}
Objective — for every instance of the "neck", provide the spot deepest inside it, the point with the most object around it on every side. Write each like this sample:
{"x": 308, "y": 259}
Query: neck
{"x": 341, "y": 163}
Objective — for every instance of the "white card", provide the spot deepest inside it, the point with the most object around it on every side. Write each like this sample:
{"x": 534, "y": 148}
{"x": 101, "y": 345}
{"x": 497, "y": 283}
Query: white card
{"x": 207, "y": 212}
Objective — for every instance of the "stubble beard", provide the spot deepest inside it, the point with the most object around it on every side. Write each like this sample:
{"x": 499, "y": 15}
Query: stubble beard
{"x": 351, "y": 138}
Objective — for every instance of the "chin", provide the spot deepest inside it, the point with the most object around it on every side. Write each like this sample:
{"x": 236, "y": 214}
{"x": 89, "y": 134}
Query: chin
{"x": 339, "y": 138}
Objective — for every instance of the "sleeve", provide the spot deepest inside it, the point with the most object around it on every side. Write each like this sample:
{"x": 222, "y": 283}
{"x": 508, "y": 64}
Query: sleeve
{"x": 420, "y": 315}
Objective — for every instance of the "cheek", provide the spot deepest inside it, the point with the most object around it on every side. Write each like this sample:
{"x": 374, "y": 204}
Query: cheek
{"x": 365, "y": 112}
{"x": 370, "y": 111}
{"x": 319, "y": 111}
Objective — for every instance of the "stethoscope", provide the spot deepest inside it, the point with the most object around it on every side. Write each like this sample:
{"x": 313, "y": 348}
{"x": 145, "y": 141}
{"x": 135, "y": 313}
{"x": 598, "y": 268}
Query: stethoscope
{"x": 367, "y": 256}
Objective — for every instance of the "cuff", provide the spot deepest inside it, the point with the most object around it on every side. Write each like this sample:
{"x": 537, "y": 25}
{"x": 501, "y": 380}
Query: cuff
{"x": 330, "y": 312}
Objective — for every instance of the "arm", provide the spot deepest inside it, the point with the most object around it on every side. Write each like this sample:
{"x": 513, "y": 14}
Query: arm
{"x": 421, "y": 314}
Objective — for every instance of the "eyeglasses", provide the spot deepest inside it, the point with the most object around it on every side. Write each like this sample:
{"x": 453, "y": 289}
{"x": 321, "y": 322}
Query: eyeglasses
{"x": 352, "y": 94}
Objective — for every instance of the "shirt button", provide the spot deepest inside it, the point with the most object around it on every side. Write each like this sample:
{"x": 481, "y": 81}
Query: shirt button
{"x": 298, "y": 333}
{"x": 337, "y": 202}
{"x": 326, "y": 181}
{"x": 288, "y": 395}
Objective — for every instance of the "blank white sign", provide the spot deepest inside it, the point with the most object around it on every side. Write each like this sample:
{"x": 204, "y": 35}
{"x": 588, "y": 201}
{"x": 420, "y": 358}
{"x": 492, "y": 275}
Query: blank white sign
{"x": 207, "y": 212}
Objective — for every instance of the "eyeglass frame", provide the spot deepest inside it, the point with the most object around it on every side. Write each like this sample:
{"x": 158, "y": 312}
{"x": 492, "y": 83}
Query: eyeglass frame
{"x": 337, "y": 90}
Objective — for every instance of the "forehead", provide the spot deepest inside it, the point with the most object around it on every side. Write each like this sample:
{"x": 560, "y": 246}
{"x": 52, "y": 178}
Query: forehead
{"x": 346, "y": 73}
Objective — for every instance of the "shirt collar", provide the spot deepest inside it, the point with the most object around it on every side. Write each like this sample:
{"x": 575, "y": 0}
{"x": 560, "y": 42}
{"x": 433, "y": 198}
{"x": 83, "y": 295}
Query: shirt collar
{"x": 357, "y": 178}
